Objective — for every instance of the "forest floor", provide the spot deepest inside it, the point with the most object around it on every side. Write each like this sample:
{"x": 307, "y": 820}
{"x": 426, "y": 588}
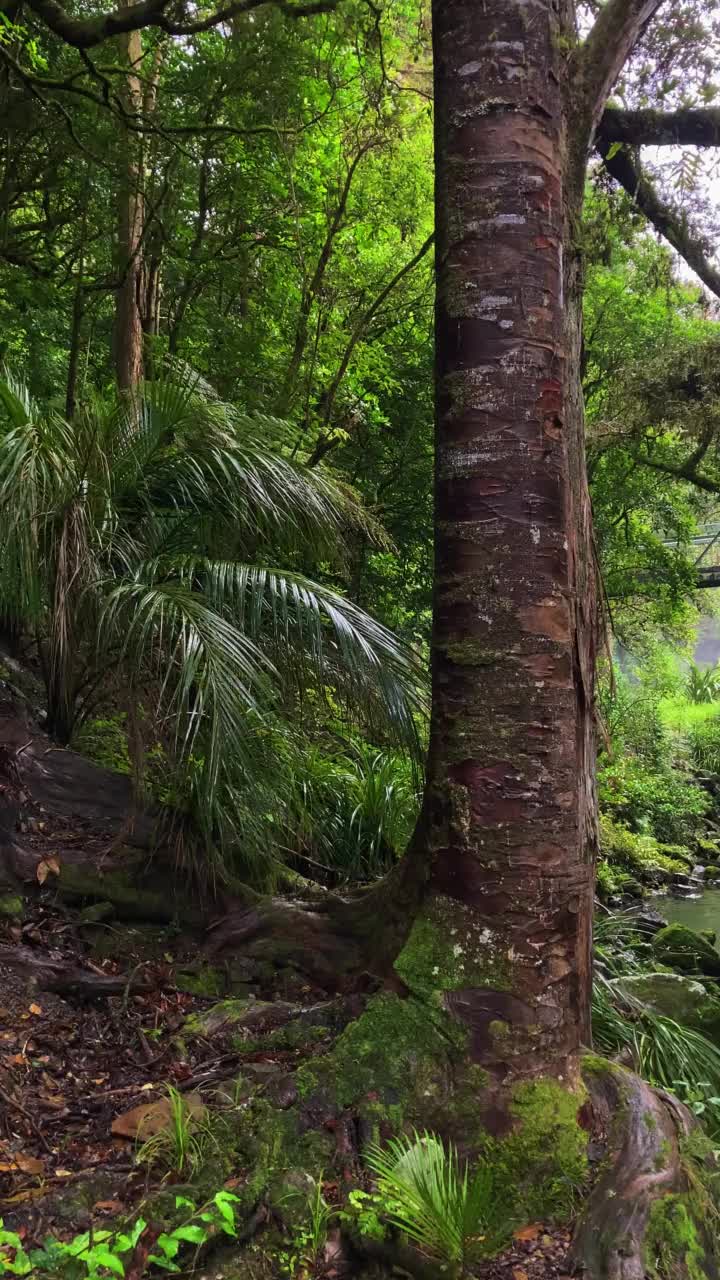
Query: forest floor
{"x": 73, "y": 1069}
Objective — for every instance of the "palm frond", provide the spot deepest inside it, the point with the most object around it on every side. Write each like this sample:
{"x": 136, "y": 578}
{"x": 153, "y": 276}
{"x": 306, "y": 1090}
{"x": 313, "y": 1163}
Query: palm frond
{"x": 111, "y": 528}
{"x": 431, "y": 1197}
{"x": 311, "y": 626}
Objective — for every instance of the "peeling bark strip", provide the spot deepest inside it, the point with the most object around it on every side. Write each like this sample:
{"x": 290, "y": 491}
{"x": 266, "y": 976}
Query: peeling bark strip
{"x": 510, "y": 792}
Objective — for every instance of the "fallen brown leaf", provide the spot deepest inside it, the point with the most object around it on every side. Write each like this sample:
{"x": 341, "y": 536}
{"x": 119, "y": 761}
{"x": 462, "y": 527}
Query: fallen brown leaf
{"x": 519, "y": 1273}
{"x": 29, "y": 1193}
{"x": 153, "y": 1117}
{"x": 35, "y": 1008}
{"x": 530, "y": 1232}
{"x": 45, "y": 867}
{"x": 28, "y": 1164}
{"x": 109, "y": 1206}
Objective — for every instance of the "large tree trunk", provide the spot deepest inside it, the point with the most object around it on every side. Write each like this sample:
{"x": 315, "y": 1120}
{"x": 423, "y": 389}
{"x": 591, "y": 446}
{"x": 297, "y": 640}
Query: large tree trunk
{"x": 510, "y": 797}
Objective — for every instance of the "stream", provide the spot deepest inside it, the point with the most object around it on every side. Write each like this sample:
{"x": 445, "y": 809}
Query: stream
{"x": 702, "y": 912}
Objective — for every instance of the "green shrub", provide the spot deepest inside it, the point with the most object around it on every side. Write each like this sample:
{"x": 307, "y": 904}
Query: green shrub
{"x": 427, "y": 1192}
{"x": 641, "y": 854}
{"x": 703, "y": 684}
{"x": 664, "y": 804}
{"x": 105, "y": 741}
{"x": 631, "y": 713}
{"x": 605, "y": 884}
{"x": 704, "y": 740}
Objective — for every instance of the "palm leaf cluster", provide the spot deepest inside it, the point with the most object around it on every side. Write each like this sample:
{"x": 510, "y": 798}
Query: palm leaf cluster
{"x": 155, "y": 549}
{"x": 703, "y": 683}
{"x": 429, "y": 1194}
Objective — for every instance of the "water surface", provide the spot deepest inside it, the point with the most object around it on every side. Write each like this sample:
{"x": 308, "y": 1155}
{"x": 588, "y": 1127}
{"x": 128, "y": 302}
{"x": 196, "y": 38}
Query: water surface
{"x": 696, "y": 913}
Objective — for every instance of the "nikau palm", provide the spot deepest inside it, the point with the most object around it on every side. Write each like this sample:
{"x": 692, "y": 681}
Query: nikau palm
{"x": 139, "y": 546}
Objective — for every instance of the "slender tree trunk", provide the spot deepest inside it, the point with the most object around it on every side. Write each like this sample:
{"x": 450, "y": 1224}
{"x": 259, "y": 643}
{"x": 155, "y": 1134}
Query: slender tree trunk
{"x": 510, "y": 799}
{"x": 76, "y": 325}
{"x": 128, "y": 318}
{"x": 149, "y": 280}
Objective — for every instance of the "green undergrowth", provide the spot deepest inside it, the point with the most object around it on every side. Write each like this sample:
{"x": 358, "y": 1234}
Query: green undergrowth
{"x": 104, "y": 1252}
{"x": 632, "y": 854}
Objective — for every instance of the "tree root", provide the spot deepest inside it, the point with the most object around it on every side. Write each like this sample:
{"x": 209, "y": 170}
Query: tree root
{"x": 58, "y": 976}
{"x": 642, "y": 1128}
{"x": 335, "y": 941}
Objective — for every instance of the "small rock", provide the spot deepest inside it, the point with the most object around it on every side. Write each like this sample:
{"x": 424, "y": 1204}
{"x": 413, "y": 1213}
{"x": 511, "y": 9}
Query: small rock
{"x": 283, "y": 1092}
{"x": 650, "y": 921}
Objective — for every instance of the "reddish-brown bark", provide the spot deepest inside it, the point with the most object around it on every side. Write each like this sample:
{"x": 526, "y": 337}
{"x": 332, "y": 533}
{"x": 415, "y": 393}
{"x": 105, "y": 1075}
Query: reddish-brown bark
{"x": 510, "y": 791}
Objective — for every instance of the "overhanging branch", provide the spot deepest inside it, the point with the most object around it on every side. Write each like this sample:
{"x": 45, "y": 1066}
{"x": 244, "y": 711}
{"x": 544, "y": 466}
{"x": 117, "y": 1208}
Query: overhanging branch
{"x": 84, "y": 33}
{"x": 695, "y": 127}
{"x": 670, "y": 222}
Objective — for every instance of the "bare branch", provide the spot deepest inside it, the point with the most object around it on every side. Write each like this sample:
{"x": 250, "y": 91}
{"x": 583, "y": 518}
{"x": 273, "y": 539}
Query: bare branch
{"x": 670, "y": 222}
{"x": 84, "y": 33}
{"x": 695, "y": 127}
{"x": 604, "y": 53}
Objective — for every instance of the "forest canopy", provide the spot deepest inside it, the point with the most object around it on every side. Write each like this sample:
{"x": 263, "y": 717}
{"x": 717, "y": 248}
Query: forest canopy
{"x": 360, "y": 544}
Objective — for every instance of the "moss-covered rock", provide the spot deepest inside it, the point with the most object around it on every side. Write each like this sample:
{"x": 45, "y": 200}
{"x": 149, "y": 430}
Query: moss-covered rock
{"x": 681, "y": 948}
{"x": 204, "y": 981}
{"x": 675, "y": 996}
{"x": 640, "y": 855}
{"x": 227, "y": 1015}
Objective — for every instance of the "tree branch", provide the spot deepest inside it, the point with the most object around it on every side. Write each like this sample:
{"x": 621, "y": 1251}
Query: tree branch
{"x": 693, "y": 126}
{"x": 683, "y": 472}
{"x": 608, "y": 46}
{"x": 84, "y": 33}
{"x": 311, "y": 290}
{"x": 622, "y": 166}
{"x": 327, "y": 400}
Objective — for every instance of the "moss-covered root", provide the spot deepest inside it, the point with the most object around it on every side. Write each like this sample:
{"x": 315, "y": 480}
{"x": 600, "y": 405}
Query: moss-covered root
{"x": 643, "y": 1189}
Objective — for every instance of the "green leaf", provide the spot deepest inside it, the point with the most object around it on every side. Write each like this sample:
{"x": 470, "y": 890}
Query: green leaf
{"x": 193, "y": 1234}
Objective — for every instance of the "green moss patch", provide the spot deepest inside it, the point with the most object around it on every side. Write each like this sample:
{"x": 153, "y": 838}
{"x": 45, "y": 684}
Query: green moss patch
{"x": 450, "y": 948}
{"x": 396, "y": 1047}
{"x": 11, "y": 905}
{"x": 543, "y": 1161}
{"x": 673, "y": 1247}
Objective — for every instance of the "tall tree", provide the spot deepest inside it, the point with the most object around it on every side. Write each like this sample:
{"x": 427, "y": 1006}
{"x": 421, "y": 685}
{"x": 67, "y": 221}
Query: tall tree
{"x": 510, "y": 805}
